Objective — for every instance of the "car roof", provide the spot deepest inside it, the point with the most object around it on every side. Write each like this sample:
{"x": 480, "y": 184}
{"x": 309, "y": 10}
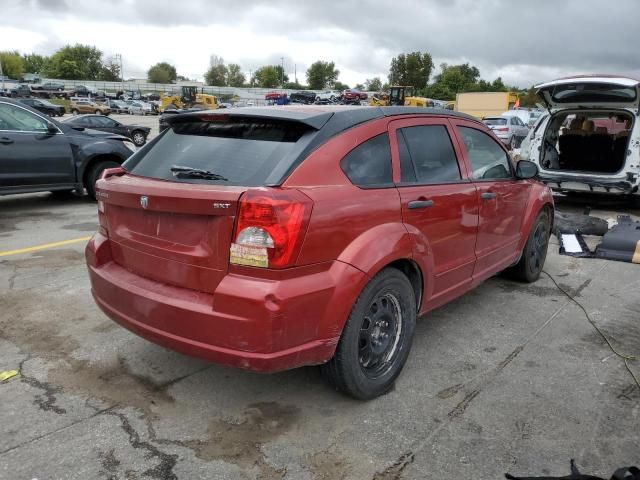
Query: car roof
{"x": 338, "y": 117}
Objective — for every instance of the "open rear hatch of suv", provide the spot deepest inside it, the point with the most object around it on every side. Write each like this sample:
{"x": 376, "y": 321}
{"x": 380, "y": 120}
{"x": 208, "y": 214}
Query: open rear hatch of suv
{"x": 170, "y": 213}
{"x": 590, "y": 91}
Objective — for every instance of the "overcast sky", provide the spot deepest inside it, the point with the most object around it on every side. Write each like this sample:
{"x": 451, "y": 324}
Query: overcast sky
{"x": 523, "y": 41}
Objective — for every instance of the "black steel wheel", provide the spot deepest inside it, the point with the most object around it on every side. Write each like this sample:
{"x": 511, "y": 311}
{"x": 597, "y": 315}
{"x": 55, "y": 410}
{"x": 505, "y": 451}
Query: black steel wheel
{"x": 531, "y": 263}
{"x": 376, "y": 339}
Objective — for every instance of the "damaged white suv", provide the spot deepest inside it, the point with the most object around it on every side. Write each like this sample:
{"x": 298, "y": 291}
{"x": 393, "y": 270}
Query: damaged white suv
{"x": 590, "y": 141}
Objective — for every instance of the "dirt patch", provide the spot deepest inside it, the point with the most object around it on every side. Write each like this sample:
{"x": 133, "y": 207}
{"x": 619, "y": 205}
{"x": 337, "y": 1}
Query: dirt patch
{"x": 240, "y": 442}
{"x": 9, "y": 221}
{"x": 82, "y": 227}
{"x": 326, "y": 465}
{"x": 47, "y": 259}
{"x": 449, "y": 392}
{"x": 27, "y": 324}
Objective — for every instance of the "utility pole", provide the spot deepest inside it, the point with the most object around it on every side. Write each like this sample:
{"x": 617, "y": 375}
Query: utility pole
{"x": 295, "y": 72}
{"x": 2, "y": 75}
{"x": 282, "y": 79}
{"x": 250, "y": 78}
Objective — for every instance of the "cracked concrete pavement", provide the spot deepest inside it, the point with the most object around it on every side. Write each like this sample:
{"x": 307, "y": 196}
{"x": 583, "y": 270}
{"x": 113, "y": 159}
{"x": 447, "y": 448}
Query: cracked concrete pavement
{"x": 510, "y": 377}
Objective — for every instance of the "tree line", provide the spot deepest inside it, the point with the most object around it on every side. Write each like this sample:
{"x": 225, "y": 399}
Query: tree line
{"x": 84, "y": 62}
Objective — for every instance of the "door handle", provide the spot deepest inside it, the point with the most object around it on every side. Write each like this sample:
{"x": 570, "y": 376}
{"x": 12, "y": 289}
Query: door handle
{"x": 414, "y": 204}
{"x": 488, "y": 196}
{"x": 6, "y": 140}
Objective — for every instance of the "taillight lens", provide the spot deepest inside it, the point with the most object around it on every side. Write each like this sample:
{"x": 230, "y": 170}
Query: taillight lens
{"x": 502, "y": 129}
{"x": 270, "y": 228}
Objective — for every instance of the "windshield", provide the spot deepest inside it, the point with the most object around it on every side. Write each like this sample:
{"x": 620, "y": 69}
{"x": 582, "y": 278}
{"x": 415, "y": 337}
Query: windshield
{"x": 247, "y": 152}
{"x": 495, "y": 121}
{"x": 592, "y": 92}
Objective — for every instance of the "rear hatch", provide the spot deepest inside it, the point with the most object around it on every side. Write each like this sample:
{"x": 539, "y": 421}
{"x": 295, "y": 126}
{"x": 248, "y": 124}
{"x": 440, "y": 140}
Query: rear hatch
{"x": 172, "y": 225}
{"x": 590, "y": 91}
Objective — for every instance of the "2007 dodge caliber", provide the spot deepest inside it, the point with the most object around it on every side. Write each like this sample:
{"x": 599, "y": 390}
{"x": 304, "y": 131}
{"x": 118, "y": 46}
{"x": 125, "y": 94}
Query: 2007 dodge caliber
{"x": 271, "y": 238}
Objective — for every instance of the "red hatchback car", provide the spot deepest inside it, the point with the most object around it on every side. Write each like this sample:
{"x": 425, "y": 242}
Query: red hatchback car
{"x": 271, "y": 238}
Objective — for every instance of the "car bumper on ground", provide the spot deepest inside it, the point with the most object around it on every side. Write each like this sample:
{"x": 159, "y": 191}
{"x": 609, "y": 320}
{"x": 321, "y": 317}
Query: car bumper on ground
{"x": 258, "y": 324}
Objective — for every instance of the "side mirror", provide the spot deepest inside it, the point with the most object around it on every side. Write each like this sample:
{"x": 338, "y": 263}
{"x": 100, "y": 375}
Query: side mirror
{"x": 526, "y": 169}
{"x": 51, "y": 128}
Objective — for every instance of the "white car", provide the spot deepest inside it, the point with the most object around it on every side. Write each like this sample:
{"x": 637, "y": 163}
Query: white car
{"x": 590, "y": 140}
{"x": 140, "y": 108}
{"x": 528, "y": 117}
{"x": 331, "y": 95}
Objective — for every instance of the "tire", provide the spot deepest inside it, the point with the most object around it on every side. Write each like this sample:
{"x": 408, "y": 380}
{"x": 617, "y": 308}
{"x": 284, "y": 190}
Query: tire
{"x": 376, "y": 339}
{"x": 97, "y": 112}
{"x": 138, "y": 138}
{"x": 75, "y": 111}
{"x": 531, "y": 262}
{"x": 94, "y": 174}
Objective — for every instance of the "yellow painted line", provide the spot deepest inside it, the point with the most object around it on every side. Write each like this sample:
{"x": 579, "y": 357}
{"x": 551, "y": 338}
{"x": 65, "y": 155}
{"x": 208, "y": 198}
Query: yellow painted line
{"x": 45, "y": 246}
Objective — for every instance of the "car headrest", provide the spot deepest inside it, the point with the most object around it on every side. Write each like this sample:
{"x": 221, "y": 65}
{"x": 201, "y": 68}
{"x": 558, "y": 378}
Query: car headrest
{"x": 588, "y": 126}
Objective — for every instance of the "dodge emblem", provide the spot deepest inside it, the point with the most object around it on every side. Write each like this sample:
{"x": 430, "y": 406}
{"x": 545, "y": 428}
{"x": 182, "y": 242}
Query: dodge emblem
{"x": 144, "y": 201}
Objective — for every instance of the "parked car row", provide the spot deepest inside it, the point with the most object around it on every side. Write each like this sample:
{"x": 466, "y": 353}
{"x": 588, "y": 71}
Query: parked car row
{"x": 137, "y": 133}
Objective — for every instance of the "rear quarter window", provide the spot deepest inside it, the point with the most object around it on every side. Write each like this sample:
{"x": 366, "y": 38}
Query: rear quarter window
{"x": 369, "y": 164}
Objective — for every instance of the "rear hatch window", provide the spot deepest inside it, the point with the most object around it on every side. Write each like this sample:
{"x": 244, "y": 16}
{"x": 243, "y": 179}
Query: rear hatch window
{"x": 241, "y": 151}
{"x": 495, "y": 121}
{"x": 593, "y": 92}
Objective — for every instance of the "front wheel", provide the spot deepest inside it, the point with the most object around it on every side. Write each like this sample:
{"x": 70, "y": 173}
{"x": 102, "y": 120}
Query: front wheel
{"x": 94, "y": 174}
{"x": 376, "y": 339}
{"x": 529, "y": 267}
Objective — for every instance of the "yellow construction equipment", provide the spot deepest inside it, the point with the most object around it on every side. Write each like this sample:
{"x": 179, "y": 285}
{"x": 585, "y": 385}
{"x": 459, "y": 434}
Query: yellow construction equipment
{"x": 189, "y": 98}
{"x": 400, "y": 95}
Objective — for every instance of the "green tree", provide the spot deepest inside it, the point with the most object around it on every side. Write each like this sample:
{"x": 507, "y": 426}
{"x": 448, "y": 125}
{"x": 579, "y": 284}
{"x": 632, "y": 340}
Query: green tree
{"x": 235, "y": 77}
{"x": 359, "y": 86}
{"x": 216, "y": 75}
{"x": 78, "y": 62}
{"x": 269, "y": 76}
{"x": 34, "y": 63}
{"x": 340, "y": 86}
{"x": 110, "y": 72}
{"x": 529, "y": 98}
{"x": 321, "y": 75}
{"x": 12, "y": 64}
{"x": 162, "y": 72}
{"x": 373, "y": 84}
{"x": 294, "y": 86}
{"x": 411, "y": 69}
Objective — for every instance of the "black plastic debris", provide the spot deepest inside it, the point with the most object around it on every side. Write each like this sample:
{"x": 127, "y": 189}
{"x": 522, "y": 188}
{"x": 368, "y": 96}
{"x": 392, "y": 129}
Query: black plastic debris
{"x": 622, "y": 242}
{"x": 624, "y": 473}
{"x": 584, "y": 224}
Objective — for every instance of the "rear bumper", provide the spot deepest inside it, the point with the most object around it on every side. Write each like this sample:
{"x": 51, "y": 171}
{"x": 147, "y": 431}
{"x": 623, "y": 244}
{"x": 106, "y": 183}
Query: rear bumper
{"x": 254, "y": 323}
{"x": 590, "y": 183}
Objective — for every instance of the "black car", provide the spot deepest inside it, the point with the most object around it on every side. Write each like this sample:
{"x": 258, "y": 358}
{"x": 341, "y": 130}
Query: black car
{"x": 303, "y": 96}
{"x": 57, "y": 86}
{"x": 39, "y": 154}
{"x": 137, "y": 133}
{"x": 44, "y": 106}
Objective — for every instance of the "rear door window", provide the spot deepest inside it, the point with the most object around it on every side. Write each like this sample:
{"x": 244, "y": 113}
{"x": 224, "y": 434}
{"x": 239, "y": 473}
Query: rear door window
{"x": 369, "y": 164}
{"x": 431, "y": 157}
{"x": 245, "y": 151}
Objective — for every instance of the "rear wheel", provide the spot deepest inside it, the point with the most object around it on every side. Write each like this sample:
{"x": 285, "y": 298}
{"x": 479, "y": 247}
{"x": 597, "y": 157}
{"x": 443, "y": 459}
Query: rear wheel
{"x": 75, "y": 111}
{"x": 376, "y": 339}
{"x": 531, "y": 262}
{"x": 94, "y": 174}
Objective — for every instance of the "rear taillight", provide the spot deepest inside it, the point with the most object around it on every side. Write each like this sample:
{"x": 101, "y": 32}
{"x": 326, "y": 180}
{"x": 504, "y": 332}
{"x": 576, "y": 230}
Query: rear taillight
{"x": 270, "y": 228}
{"x": 502, "y": 129}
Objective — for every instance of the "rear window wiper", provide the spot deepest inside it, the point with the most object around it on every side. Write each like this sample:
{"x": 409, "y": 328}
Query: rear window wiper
{"x": 190, "y": 172}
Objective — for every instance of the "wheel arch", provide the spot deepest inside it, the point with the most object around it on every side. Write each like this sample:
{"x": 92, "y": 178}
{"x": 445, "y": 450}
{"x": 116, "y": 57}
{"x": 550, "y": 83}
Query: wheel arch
{"x": 94, "y": 160}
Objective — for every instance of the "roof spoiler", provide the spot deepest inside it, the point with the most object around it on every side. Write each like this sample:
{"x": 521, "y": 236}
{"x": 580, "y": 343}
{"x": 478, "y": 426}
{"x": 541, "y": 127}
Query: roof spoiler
{"x": 315, "y": 120}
